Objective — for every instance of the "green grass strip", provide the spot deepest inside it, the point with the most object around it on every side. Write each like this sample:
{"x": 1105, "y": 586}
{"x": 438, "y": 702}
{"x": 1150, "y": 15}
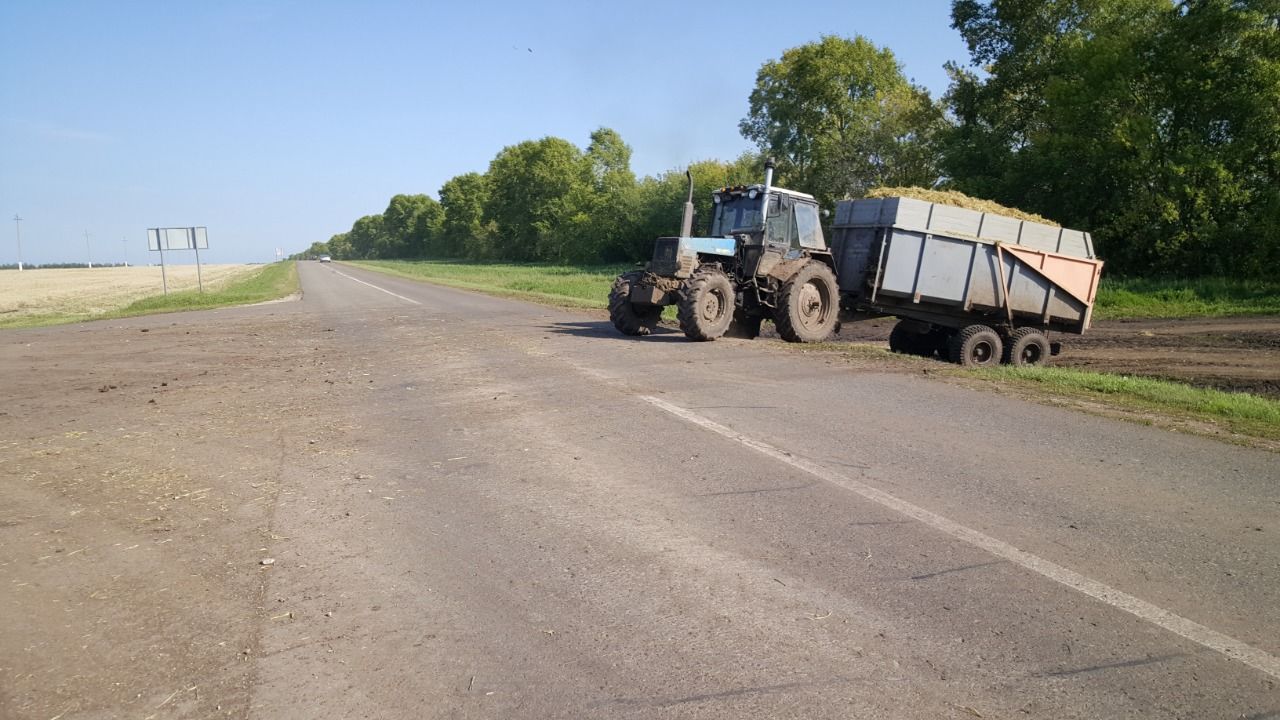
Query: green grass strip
{"x": 271, "y": 282}
{"x": 560, "y": 285}
{"x": 588, "y": 286}
{"x": 1133, "y": 298}
{"x": 1243, "y": 413}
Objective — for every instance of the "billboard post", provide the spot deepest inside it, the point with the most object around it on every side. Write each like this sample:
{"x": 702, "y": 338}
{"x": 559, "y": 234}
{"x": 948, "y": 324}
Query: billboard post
{"x": 185, "y": 238}
{"x": 196, "y": 246}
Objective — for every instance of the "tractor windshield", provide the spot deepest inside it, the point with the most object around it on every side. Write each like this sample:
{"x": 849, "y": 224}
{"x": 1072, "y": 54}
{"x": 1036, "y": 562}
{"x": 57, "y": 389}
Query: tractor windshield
{"x": 736, "y": 213}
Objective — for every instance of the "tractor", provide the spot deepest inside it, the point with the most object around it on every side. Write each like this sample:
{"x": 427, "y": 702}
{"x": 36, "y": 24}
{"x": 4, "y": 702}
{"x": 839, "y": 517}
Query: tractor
{"x": 764, "y": 258}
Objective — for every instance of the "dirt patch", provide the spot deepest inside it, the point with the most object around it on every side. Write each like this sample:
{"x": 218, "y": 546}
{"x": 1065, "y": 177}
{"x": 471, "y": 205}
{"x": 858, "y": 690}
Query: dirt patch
{"x": 140, "y": 466}
{"x": 1234, "y": 354}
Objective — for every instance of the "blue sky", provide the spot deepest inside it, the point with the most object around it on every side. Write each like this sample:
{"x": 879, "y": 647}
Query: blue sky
{"x": 277, "y": 124}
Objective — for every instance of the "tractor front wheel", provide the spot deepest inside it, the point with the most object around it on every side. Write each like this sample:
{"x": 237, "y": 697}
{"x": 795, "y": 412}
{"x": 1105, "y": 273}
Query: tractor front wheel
{"x": 705, "y": 307}
{"x": 629, "y": 318}
{"x": 808, "y": 304}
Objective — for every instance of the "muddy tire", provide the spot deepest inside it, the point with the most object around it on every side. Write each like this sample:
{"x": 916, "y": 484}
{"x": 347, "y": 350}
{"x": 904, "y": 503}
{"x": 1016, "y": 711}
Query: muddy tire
{"x": 808, "y": 305}
{"x": 705, "y": 307}
{"x": 977, "y": 346}
{"x": 631, "y": 319}
{"x": 1027, "y": 346}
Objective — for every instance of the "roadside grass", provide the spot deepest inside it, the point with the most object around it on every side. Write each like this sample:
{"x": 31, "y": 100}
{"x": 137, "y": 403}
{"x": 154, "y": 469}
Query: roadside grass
{"x": 580, "y": 286}
{"x": 271, "y": 282}
{"x": 1133, "y": 298}
{"x": 575, "y": 286}
{"x": 1241, "y": 413}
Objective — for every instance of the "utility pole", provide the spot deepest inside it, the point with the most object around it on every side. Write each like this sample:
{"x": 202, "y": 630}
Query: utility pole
{"x": 17, "y": 228}
{"x": 125, "y": 240}
{"x": 87, "y": 250}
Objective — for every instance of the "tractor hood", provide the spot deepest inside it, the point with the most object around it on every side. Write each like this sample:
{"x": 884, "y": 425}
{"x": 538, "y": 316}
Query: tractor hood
{"x": 677, "y": 257}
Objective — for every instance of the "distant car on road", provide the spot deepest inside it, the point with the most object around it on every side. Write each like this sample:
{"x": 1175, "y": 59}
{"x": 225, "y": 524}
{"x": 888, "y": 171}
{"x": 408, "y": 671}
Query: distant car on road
{"x": 325, "y": 258}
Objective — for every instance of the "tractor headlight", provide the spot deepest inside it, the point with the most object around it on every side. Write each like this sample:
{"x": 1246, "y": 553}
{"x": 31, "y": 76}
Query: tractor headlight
{"x": 752, "y": 195}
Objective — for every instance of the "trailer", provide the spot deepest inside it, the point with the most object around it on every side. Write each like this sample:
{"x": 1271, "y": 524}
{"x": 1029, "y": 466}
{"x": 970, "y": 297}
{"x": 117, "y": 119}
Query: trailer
{"x": 976, "y": 288}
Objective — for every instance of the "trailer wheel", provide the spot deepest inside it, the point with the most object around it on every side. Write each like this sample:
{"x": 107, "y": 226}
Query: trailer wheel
{"x": 977, "y": 346}
{"x": 1027, "y": 346}
{"x": 629, "y": 318}
{"x": 705, "y": 307}
{"x": 808, "y": 304}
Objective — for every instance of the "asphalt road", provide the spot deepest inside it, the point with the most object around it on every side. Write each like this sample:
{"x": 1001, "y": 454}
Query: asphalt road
{"x": 485, "y": 508}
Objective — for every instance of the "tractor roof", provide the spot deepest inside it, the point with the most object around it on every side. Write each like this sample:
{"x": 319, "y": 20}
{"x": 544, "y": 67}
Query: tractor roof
{"x": 744, "y": 189}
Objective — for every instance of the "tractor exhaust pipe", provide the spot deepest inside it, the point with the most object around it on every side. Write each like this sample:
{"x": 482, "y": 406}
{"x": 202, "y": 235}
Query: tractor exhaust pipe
{"x": 686, "y": 222}
{"x": 768, "y": 184}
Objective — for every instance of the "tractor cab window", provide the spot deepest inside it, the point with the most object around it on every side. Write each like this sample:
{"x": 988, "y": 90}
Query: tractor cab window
{"x": 808, "y": 229}
{"x": 736, "y": 213}
{"x": 780, "y": 226}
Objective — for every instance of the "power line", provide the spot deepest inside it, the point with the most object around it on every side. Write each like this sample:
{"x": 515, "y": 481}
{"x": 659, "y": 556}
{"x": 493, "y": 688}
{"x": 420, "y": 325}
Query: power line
{"x": 17, "y": 228}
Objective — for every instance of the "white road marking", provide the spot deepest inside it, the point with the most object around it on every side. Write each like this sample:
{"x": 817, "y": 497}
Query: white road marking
{"x": 375, "y": 287}
{"x": 1176, "y": 624}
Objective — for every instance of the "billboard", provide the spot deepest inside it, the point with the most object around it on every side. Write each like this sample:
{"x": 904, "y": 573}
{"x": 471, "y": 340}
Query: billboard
{"x": 187, "y": 238}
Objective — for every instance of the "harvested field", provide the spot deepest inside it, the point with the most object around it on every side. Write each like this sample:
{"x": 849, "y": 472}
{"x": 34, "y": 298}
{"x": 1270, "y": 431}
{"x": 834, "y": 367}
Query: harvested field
{"x": 84, "y": 291}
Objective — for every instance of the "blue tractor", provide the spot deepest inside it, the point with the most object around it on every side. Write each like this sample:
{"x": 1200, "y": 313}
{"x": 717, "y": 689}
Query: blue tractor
{"x": 764, "y": 258}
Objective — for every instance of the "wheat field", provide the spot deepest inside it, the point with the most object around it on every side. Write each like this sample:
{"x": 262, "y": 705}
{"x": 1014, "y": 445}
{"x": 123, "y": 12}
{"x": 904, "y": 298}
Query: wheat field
{"x": 84, "y": 291}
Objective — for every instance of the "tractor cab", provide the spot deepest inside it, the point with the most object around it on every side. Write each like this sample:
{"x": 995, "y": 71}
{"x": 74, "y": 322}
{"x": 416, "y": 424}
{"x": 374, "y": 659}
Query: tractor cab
{"x": 790, "y": 222}
{"x": 782, "y": 230}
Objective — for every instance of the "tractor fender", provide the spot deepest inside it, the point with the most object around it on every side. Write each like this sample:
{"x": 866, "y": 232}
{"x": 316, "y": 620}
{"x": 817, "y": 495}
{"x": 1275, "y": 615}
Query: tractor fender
{"x": 783, "y": 271}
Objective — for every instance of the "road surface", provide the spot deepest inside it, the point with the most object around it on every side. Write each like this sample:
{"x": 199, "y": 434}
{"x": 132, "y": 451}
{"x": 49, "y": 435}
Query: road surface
{"x": 395, "y": 500}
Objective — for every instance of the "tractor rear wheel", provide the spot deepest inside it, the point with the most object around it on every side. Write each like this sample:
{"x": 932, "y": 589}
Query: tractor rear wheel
{"x": 977, "y": 346}
{"x": 629, "y": 318}
{"x": 1027, "y": 346}
{"x": 808, "y": 304}
{"x": 705, "y": 307}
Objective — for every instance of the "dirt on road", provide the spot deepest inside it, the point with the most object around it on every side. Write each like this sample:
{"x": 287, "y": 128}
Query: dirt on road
{"x": 402, "y": 501}
{"x": 1240, "y": 354}
{"x": 141, "y": 471}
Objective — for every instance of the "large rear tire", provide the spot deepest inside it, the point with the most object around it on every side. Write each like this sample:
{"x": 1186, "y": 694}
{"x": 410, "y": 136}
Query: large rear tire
{"x": 629, "y": 318}
{"x": 705, "y": 307}
{"x": 977, "y": 346}
{"x": 1027, "y": 346}
{"x": 808, "y": 305}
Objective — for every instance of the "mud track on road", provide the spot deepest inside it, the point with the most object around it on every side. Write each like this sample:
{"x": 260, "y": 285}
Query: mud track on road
{"x": 1239, "y": 354}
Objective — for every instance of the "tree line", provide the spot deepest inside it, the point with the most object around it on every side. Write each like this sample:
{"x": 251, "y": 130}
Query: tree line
{"x": 1153, "y": 124}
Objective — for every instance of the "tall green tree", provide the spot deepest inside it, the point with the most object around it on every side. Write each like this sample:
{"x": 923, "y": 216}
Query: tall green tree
{"x": 841, "y": 118}
{"x": 366, "y": 237}
{"x": 1151, "y": 123}
{"x": 410, "y": 226}
{"x": 615, "y": 200}
{"x": 463, "y": 229}
{"x": 340, "y": 247}
{"x": 539, "y": 197}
